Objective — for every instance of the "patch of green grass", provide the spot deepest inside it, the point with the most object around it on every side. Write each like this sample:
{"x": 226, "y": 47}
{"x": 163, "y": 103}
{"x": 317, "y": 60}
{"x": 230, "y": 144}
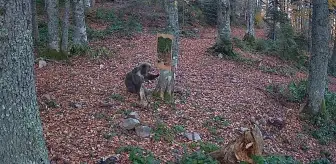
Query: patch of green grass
{"x": 216, "y": 122}
{"x": 163, "y": 132}
{"x": 178, "y": 128}
{"x": 274, "y": 159}
{"x": 139, "y": 155}
{"x": 52, "y": 104}
{"x": 109, "y": 135}
{"x": 321, "y": 161}
{"x": 293, "y": 92}
{"x": 197, "y": 157}
{"x": 118, "y": 97}
{"x": 78, "y": 50}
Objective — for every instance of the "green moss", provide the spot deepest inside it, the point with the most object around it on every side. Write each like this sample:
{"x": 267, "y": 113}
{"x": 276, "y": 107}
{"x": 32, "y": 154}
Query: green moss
{"x": 164, "y": 45}
{"x": 323, "y": 108}
{"x": 53, "y": 54}
{"x": 168, "y": 97}
{"x": 2, "y": 11}
{"x": 225, "y": 48}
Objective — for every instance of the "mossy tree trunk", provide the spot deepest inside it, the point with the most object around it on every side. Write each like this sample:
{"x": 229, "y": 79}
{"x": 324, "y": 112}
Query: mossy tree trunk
{"x": 21, "y": 133}
{"x": 319, "y": 58}
{"x": 165, "y": 86}
{"x": 65, "y": 27}
{"x": 80, "y": 36}
{"x": 53, "y": 22}
{"x": 250, "y": 34}
{"x": 223, "y": 42}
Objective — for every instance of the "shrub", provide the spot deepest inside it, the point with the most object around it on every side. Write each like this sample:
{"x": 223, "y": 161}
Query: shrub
{"x": 197, "y": 157}
{"x": 274, "y": 159}
{"x": 139, "y": 155}
{"x": 293, "y": 92}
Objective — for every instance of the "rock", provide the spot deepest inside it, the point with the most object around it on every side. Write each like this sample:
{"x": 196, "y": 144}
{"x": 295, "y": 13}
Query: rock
{"x": 220, "y": 55}
{"x": 46, "y": 97}
{"x": 76, "y": 105}
{"x": 143, "y": 131}
{"x": 110, "y": 160}
{"x": 134, "y": 115}
{"x": 42, "y": 63}
{"x": 277, "y": 122}
{"x": 129, "y": 123}
{"x": 193, "y": 136}
{"x": 253, "y": 119}
{"x": 242, "y": 129}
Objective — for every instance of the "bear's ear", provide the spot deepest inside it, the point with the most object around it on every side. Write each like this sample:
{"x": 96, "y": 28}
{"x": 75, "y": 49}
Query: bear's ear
{"x": 136, "y": 70}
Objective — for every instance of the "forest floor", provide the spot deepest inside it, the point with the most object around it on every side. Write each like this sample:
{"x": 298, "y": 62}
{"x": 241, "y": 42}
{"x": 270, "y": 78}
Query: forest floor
{"x": 231, "y": 90}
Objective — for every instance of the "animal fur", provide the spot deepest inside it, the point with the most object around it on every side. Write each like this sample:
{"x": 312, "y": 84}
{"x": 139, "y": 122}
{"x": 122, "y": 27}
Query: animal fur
{"x": 134, "y": 80}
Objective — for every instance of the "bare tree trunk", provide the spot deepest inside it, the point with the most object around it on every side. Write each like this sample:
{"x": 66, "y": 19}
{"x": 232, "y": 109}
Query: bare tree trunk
{"x": 250, "y": 34}
{"x": 80, "y": 36}
{"x": 53, "y": 32}
{"x": 319, "y": 59}
{"x": 223, "y": 41}
{"x": 65, "y": 28}
{"x": 332, "y": 61}
{"x": 87, "y": 3}
{"x": 21, "y": 133}
{"x": 165, "y": 86}
{"x": 35, "y": 23}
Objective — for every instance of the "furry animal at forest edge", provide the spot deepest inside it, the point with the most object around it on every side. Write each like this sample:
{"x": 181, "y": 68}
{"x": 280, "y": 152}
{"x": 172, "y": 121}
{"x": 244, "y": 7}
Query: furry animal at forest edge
{"x": 134, "y": 80}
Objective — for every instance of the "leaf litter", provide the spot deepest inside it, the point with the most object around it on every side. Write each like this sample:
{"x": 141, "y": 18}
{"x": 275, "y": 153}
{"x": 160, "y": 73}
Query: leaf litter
{"x": 227, "y": 89}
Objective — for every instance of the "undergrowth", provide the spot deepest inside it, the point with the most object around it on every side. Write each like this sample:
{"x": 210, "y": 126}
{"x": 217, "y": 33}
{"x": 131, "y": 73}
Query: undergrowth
{"x": 322, "y": 126}
{"x": 288, "y": 46}
{"x": 138, "y": 155}
{"x": 118, "y": 23}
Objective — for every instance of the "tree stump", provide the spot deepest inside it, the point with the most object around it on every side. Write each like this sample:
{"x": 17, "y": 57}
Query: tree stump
{"x": 241, "y": 149}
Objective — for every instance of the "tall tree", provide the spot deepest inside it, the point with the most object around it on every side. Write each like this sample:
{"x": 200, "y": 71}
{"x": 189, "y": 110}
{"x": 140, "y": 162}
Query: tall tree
{"x": 34, "y": 22}
{"x": 53, "y": 21}
{"x": 165, "y": 86}
{"x": 319, "y": 58}
{"x": 21, "y": 134}
{"x": 223, "y": 41}
{"x": 80, "y": 36}
{"x": 65, "y": 27}
{"x": 251, "y": 7}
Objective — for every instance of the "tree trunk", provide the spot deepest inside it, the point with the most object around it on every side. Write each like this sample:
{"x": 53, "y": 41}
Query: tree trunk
{"x": 53, "y": 33}
{"x": 319, "y": 58}
{"x": 223, "y": 41}
{"x": 93, "y": 2}
{"x": 80, "y": 36}
{"x": 21, "y": 133}
{"x": 332, "y": 61}
{"x": 233, "y": 6}
{"x": 250, "y": 34}
{"x": 35, "y": 23}
{"x": 65, "y": 28}
{"x": 165, "y": 86}
{"x": 87, "y": 3}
